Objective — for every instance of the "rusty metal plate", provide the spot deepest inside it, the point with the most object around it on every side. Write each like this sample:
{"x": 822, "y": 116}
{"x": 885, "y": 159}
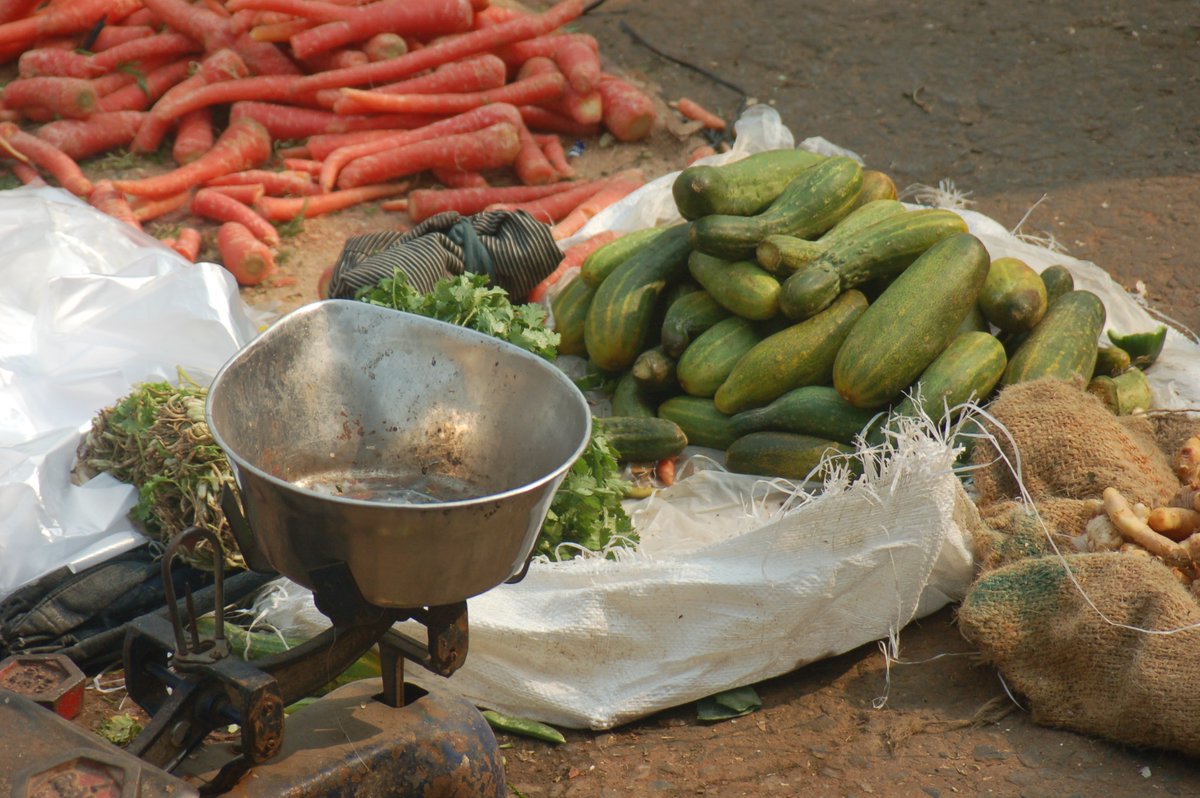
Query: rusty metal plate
{"x": 47, "y": 756}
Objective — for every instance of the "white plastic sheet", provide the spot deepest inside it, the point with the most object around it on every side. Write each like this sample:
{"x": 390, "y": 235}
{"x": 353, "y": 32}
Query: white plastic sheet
{"x": 89, "y": 307}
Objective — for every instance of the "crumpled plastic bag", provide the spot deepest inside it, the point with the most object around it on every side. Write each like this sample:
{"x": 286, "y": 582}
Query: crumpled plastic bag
{"x": 90, "y": 307}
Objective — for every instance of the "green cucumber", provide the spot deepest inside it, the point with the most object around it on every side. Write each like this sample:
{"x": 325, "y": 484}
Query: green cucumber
{"x": 811, "y": 204}
{"x": 786, "y": 255}
{"x": 1058, "y": 281}
{"x": 876, "y": 186}
{"x": 1065, "y": 343}
{"x": 802, "y": 354}
{"x": 687, "y": 317}
{"x": 863, "y": 216}
{"x": 654, "y": 371}
{"x": 1125, "y": 394}
{"x": 742, "y": 287}
{"x": 599, "y": 264}
{"x": 569, "y": 308}
{"x": 816, "y": 410}
{"x": 783, "y": 454}
{"x": 620, "y": 317}
{"x": 741, "y": 188}
{"x": 707, "y": 361}
{"x": 970, "y": 367}
{"x": 630, "y": 400}
{"x": 1143, "y": 347}
{"x": 1013, "y": 297}
{"x": 700, "y": 420}
{"x": 902, "y": 332}
{"x": 640, "y": 439}
{"x": 877, "y": 252}
{"x": 1111, "y": 361}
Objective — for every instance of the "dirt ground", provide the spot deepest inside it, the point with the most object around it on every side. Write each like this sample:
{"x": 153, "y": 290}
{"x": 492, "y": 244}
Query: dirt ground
{"x": 1075, "y": 121}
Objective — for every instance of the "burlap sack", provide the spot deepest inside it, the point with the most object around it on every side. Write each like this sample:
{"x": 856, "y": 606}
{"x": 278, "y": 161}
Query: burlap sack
{"x": 1013, "y": 531}
{"x": 1081, "y": 672}
{"x": 1071, "y": 447}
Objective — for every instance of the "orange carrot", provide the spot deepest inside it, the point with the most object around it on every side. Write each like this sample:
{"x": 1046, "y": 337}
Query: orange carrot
{"x": 223, "y": 208}
{"x": 693, "y": 110}
{"x": 618, "y": 187}
{"x": 452, "y": 49}
{"x": 28, "y": 148}
{"x": 555, "y": 207}
{"x": 471, "y": 74}
{"x": 336, "y": 59}
{"x": 665, "y": 470}
{"x": 703, "y": 151}
{"x": 247, "y": 194}
{"x": 424, "y": 203}
{"x": 579, "y": 61}
{"x": 584, "y": 108}
{"x": 555, "y": 154}
{"x": 290, "y": 122}
{"x": 494, "y": 15}
{"x": 212, "y": 30}
{"x": 279, "y": 31}
{"x": 489, "y": 148}
{"x": 187, "y": 243}
{"x": 71, "y": 97}
{"x": 572, "y": 259}
{"x": 306, "y": 165}
{"x": 146, "y": 209}
{"x": 64, "y": 19}
{"x": 528, "y": 91}
{"x": 546, "y": 46}
{"x": 323, "y": 145}
{"x": 81, "y": 138}
{"x": 245, "y": 257}
{"x": 462, "y": 123}
{"x": 106, "y": 198}
{"x": 194, "y": 136}
{"x": 244, "y": 145}
{"x": 532, "y": 166}
{"x": 112, "y": 35}
{"x": 538, "y": 118}
{"x": 142, "y": 16}
{"x": 452, "y": 178}
{"x": 16, "y": 9}
{"x": 628, "y": 111}
{"x": 383, "y": 46}
{"x": 223, "y": 65}
{"x": 275, "y": 184}
{"x": 259, "y": 87}
{"x": 164, "y": 45}
{"x": 53, "y": 62}
{"x": 282, "y": 210}
{"x": 313, "y": 10}
{"x": 425, "y": 19}
{"x": 134, "y": 98}
{"x": 27, "y": 174}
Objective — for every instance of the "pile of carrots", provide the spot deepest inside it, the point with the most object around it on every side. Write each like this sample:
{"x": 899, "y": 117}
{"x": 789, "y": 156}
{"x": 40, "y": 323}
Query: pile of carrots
{"x": 353, "y": 98}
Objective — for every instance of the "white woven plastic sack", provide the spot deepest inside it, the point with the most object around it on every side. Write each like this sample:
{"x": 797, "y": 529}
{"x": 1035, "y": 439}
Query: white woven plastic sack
{"x": 729, "y": 585}
{"x": 89, "y": 307}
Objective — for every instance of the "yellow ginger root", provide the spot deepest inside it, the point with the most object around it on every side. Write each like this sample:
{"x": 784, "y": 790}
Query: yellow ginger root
{"x": 1177, "y": 523}
{"x": 1187, "y": 463}
{"x": 1138, "y": 531}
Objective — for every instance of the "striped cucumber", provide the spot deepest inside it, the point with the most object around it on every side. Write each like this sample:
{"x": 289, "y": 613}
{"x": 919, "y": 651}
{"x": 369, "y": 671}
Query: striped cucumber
{"x": 816, "y": 410}
{"x": 742, "y": 287}
{"x": 971, "y": 366}
{"x": 802, "y": 354}
{"x": 570, "y": 307}
{"x": 642, "y": 439}
{"x": 1065, "y": 343}
{"x": 687, "y": 317}
{"x": 707, "y": 361}
{"x": 783, "y": 454}
{"x": 918, "y": 315}
{"x": 1013, "y": 296}
{"x": 741, "y": 188}
{"x": 700, "y": 420}
{"x": 599, "y": 264}
{"x": 630, "y": 400}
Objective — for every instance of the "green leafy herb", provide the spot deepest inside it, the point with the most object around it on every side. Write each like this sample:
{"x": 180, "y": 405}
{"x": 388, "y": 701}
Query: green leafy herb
{"x": 469, "y": 301}
{"x": 587, "y": 509}
{"x": 294, "y": 226}
{"x": 120, "y": 729}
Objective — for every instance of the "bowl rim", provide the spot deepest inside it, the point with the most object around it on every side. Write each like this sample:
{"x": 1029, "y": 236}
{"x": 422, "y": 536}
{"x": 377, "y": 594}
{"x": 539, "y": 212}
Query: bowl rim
{"x": 339, "y": 306}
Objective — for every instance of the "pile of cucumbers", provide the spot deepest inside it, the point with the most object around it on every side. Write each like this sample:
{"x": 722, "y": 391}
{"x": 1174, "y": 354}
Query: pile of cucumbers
{"x": 798, "y": 300}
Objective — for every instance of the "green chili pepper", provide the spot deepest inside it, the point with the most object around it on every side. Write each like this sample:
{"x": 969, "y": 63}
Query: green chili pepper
{"x": 528, "y": 728}
{"x": 1143, "y": 347}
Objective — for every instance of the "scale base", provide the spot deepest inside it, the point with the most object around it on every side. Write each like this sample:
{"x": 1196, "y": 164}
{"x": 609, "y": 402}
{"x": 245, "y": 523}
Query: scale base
{"x": 347, "y": 743}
